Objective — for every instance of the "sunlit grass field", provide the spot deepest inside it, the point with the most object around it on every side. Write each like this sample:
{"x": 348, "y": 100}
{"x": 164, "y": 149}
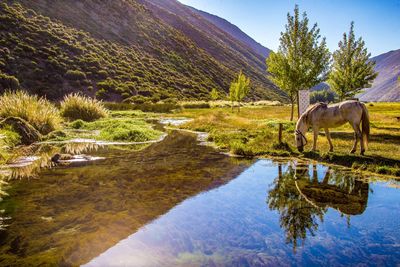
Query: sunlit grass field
{"x": 254, "y": 131}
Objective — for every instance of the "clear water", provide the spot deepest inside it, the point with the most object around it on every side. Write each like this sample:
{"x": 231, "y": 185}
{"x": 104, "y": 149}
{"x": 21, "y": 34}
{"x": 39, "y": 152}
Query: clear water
{"x": 180, "y": 204}
{"x": 257, "y": 219}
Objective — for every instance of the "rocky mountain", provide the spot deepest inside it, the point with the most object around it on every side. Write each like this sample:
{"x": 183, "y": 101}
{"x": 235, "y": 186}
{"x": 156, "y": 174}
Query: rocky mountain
{"x": 123, "y": 50}
{"x": 234, "y": 31}
{"x": 386, "y": 87}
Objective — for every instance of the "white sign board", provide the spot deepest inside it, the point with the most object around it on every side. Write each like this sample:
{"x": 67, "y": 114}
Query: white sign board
{"x": 304, "y": 100}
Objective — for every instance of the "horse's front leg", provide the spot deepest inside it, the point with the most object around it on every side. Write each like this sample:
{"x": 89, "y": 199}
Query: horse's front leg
{"x": 316, "y": 130}
{"x": 328, "y": 136}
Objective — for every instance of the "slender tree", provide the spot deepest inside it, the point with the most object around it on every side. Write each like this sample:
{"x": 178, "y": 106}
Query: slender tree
{"x": 214, "y": 94}
{"x": 279, "y": 69}
{"x": 352, "y": 70}
{"x": 302, "y": 60}
{"x": 239, "y": 89}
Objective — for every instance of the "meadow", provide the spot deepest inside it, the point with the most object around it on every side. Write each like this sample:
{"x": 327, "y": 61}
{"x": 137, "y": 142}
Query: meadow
{"x": 249, "y": 132}
{"x": 254, "y": 132}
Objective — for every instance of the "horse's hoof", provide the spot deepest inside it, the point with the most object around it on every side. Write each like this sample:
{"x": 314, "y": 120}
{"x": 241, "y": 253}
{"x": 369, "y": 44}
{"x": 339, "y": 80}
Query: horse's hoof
{"x": 331, "y": 150}
{"x": 362, "y": 153}
{"x": 352, "y": 152}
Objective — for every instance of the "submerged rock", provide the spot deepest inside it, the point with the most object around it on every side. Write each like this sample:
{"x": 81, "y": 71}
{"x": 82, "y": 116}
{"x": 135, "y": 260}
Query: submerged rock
{"x": 57, "y": 157}
{"x": 26, "y": 131}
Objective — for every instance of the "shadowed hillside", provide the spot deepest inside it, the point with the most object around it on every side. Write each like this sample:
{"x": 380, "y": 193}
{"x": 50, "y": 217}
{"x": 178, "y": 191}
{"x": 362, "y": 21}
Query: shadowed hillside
{"x": 120, "y": 50}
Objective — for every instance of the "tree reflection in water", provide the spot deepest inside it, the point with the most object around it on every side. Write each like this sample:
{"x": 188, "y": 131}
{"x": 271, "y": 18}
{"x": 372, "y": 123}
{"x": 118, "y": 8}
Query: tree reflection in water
{"x": 301, "y": 198}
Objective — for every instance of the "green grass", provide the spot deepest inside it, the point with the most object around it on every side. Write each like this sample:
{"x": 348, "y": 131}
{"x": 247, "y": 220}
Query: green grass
{"x": 123, "y": 130}
{"x": 79, "y": 107}
{"x": 254, "y": 132}
{"x": 39, "y": 112}
{"x": 8, "y": 140}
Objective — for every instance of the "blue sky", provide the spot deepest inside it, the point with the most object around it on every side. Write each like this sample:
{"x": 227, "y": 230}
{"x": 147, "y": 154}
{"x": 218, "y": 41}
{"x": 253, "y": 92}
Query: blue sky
{"x": 378, "y": 22}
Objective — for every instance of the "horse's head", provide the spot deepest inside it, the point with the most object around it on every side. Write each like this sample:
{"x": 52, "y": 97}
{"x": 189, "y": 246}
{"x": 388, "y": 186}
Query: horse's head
{"x": 301, "y": 129}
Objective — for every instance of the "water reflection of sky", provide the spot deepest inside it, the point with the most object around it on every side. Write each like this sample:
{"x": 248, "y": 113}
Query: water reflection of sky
{"x": 234, "y": 225}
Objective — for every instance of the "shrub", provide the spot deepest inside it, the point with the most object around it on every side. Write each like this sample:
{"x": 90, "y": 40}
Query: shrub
{"x": 75, "y": 107}
{"x": 39, "y": 112}
{"x": 8, "y": 82}
{"x": 195, "y": 104}
{"x": 75, "y": 75}
{"x": 322, "y": 96}
{"x": 138, "y": 99}
{"x": 157, "y": 108}
{"x": 77, "y": 124}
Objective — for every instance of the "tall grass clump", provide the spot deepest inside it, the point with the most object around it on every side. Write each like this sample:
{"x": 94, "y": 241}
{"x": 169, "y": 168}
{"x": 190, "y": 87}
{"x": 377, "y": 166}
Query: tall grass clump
{"x": 79, "y": 107}
{"x": 37, "y": 111}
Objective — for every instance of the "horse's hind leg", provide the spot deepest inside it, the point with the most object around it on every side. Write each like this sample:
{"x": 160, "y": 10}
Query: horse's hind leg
{"x": 357, "y": 135}
{"x": 328, "y": 136}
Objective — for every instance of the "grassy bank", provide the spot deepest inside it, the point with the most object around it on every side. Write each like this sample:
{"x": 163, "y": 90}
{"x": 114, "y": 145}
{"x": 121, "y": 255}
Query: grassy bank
{"x": 26, "y": 119}
{"x": 251, "y": 132}
{"x": 254, "y": 132}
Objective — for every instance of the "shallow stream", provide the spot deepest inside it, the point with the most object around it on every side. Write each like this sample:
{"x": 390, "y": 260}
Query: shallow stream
{"x": 180, "y": 203}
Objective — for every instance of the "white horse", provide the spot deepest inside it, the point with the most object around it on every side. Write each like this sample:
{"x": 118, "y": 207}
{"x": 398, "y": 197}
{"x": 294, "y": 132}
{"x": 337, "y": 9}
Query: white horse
{"x": 325, "y": 116}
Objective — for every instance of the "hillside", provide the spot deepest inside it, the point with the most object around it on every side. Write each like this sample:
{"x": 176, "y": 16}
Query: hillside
{"x": 217, "y": 42}
{"x": 385, "y": 88}
{"x": 122, "y": 50}
{"x": 234, "y": 31}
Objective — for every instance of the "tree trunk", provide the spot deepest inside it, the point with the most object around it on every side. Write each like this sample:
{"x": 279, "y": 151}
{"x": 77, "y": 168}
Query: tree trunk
{"x": 298, "y": 104}
{"x": 292, "y": 109}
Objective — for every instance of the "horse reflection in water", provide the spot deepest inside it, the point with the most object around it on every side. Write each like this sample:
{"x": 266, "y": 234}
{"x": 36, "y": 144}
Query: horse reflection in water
{"x": 301, "y": 198}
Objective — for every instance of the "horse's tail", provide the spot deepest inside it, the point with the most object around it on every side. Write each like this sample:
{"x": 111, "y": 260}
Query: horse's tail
{"x": 365, "y": 125}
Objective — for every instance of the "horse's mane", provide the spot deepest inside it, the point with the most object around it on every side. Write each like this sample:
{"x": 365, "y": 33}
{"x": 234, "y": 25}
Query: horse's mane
{"x": 312, "y": 108}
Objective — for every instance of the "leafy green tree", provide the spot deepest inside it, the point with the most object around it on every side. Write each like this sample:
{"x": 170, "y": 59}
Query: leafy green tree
{"x": 214, "y": 94}
{"x": 302, "y": 60}
{"x": 352, "y": 70}
{"x": 239, "y": 89}
{"x": 279, "y": 70}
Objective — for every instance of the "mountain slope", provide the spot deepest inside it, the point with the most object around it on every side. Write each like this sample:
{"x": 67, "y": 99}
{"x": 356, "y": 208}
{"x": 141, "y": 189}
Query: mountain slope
{"x": 122, "y": 49}
{"x": 227, "y": 49}
{"x": 234, "y": 31}
{"x": 386, "y": 87}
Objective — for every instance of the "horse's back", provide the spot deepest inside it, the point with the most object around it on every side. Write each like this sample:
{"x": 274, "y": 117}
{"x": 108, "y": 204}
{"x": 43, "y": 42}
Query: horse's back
{"x": 351, "y": 110}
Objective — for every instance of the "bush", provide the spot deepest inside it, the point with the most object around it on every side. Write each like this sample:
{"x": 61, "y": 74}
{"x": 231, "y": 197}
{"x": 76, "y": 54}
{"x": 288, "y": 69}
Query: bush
{"x": 138, "y": 99}
{"x": 77, "y": 124}
{"x": 195, "y": 104}
{"x": 8, "y": 82}
{"x": 75, "y": 75}
{"x": 157, "y": 108}
{"x": 75, "y": 107}
{"x": 322, "y": 96}
{"x": 38, "y": 112}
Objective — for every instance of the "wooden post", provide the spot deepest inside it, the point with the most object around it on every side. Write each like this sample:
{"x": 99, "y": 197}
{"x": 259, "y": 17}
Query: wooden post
{"x": 280, "y": 133}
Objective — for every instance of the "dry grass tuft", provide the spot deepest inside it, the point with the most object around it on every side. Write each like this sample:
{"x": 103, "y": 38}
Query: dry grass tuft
{"x": 39, "y": 112}
{"x": 79, "y": 107}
